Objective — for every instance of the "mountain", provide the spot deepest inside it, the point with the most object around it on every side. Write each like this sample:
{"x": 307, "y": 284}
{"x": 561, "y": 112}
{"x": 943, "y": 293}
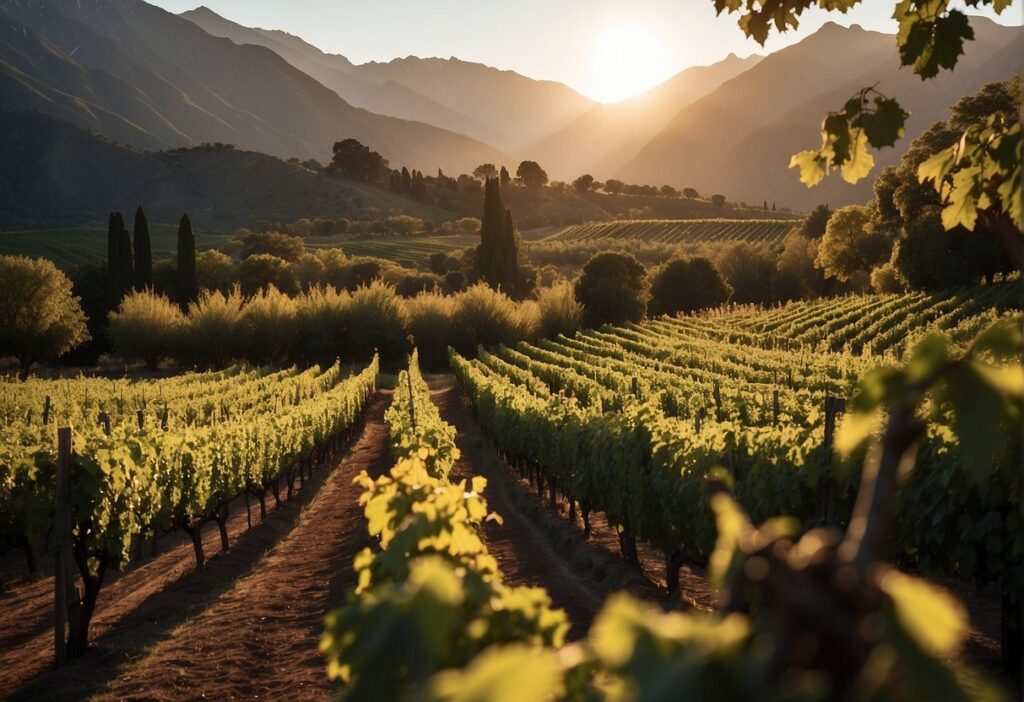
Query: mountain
{"x": 54, "y": 174}
{"x": 606, "y": 137}
{"x": 739, "y": 138}
{"x": 137, "y": 73}
{"x": 498, "y": 107}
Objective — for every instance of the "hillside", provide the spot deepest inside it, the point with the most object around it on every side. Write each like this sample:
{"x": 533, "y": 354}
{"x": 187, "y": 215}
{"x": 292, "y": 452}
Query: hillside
{"x": 502, "y": 108}
{"x": 137, "y": 73}
{"x": 606, "y": 137}
{"x": 56, "y": 175}
{"x": 740, "y": 136}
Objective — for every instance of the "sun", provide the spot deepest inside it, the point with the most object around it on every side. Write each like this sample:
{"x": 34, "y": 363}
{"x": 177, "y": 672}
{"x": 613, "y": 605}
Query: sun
{"x": 627, "y": 59}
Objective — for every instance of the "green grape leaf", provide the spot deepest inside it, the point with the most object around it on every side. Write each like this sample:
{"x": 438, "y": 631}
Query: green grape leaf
{"x": 1002, "y": 339}
{"x": 932, "y": 616}
{"x": 928, "y": 40}
{"x": 732, "y": 525}
{"x": 812, "y": 164}
{"x": 927, "y": 357}
{"x": 514, "y": 673}
{"x": 979, "y": 413}
{"x": 854, "y": 429}
{"x": 885, "y": 125}
{"x": 860, "y": 161}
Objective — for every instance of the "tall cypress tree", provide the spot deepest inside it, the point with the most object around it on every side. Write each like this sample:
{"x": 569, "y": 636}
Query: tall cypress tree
{"x": 188, "y": 290}
{"x": 119, "y": 260}
{"x": 497, "y": 255}
{"x": 143, "y": 252}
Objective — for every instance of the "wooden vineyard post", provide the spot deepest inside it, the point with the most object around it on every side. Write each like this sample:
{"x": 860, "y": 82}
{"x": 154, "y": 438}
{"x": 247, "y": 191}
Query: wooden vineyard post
{"x": 64, "y": 593}
{"x": 834, "y": 406}
{"x": 775, "y": 405}
{"x": 46, "y": 411}
{"x": 718, "y": 401}
{"x": 635, "y": 386}
{"x": 140, "y": 415}
{"x": 105, "y": 421}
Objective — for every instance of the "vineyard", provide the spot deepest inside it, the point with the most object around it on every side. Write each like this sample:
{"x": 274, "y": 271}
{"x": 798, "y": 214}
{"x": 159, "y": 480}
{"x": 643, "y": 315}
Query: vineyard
{"x": 623, "y": 432}
{"x": 140, "y": 459}
{"x": 684, "y": 231}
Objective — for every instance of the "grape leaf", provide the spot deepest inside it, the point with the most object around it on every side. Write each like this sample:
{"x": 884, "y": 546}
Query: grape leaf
{"x": 860, "y": 161}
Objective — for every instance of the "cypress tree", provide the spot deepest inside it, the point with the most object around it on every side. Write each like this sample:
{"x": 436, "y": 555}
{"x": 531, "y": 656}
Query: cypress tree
{"x": 505, "y": 177}
{"x": 143, "y": 252}
{"x": 119, "y": 260}
{"x": 406, "y": 180}
{"x": 188, "y": 291}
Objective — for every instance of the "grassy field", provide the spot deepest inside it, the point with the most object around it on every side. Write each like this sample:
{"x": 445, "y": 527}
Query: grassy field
{"x": 687, "y": 231}
{"x": 68, "y": 248}
{"x": 409, "y": 250}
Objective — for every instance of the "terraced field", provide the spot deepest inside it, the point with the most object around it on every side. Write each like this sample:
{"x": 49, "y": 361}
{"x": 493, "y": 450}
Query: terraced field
{"x": 688, "y": 231}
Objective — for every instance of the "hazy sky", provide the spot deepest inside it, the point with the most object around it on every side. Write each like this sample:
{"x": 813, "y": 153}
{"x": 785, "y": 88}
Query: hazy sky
{"x": 606, "y": 49}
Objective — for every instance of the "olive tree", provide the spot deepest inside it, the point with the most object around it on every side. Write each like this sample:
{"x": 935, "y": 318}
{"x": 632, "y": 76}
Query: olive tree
{"x": 147, "y": 326}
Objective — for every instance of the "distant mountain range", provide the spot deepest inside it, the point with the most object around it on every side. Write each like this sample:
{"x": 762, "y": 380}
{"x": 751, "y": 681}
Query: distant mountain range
{"x": 152, "y": 80}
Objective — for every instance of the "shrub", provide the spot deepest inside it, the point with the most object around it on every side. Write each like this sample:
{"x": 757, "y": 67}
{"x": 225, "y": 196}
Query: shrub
{"x": 147, "y": 327}
{"x": 281, "y": 245}
{"x": 309, "y": 271}
{"x": 374, "y": 320}
{"x": 270, "y": 326}
{"x": 320, "y": 325}
{"x": 486, "y": 317}
{"x": 430, "y": 321}
{"x": 559, "y": 311}
{"x": 214, "y": 333}
{"x": 686, "y": 285}
{"x": 612, "y": 289}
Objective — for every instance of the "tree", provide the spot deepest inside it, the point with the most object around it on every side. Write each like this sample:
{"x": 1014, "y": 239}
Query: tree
{"x": 613, "y": 186}
{"x": 718, "y": 200}
{"x": 486, "y": 171}
{"x": 814, "y": 226}
{"x": 120, "y": 271}
{"x": 188, "y": 289}
{"x": 497, "y": 260}
{"x": 584, "y": 183}
{"x": 505, "y": 177}
{"x": 261, "y": 271}
{"x": 281, "y": 245}
{"x": 532, "y": 175}
{"x": 406, "y": 180}
{"x": 750, "y": 271}
{"x": 903, "y": 206}
{"x": 143, "y": 252}
{"x": 40, "y": 318}
{"x": 355, "y": 161}
{"x": 146, "y": 326}
{"x": 214, "y": 271}
{"x": 850, "y": 244}
{"x": 668, "y": 191}
{"x": 687, "y": 285}
{"x": 612, "y": 289}
{"x": 690, "y": 193}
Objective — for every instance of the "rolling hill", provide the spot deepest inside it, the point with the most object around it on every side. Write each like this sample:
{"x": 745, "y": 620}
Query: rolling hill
{"x": 56, "y": 175}
{"x": 144, "y": 76}
{"x": 738, "y": 139}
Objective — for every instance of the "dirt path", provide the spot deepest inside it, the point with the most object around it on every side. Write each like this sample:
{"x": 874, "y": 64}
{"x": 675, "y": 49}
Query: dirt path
{"x": 532, "y": 547}
{"x": 245, "y": 626}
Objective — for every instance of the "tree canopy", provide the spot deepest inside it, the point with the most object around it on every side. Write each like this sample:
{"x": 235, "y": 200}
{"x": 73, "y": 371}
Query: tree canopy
{"x": 531, "y": 174}
{"x": 355, "y": 161}
{"x": 612, "y": 289}
{"x": 687, "y": 285}
{"x": 40, "y": 318}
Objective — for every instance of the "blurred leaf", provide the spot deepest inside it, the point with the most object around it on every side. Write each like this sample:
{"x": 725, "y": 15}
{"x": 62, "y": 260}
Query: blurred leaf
{"x": 936, "y": 620}
{"x": 927, "y": 357}
{"x": 1003, "y": 339}
{"x": 732, "y": 525}
{"x": 854, "y": 429}
{"x": 515, "y": 673}
{"x": 978, "y": 415}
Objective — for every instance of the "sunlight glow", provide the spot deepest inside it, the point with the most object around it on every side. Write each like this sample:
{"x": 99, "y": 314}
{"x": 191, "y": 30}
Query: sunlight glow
{"x": 627, "y": 59}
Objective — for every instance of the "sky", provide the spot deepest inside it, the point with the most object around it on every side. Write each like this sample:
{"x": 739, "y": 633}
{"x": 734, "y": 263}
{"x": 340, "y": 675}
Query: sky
{"x": 605, "y": 49}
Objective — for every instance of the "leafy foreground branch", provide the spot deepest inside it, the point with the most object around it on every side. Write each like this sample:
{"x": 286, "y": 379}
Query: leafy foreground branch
{"x": 812, "y": 617}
